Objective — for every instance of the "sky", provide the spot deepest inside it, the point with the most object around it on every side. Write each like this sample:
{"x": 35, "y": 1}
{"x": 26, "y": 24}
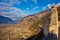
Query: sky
{"x": 21, "y": 8}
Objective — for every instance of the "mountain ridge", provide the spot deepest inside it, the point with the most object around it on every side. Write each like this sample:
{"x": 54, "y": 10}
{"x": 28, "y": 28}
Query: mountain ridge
{"x": 28, "y": 26}
{"x": 5, "y": 20}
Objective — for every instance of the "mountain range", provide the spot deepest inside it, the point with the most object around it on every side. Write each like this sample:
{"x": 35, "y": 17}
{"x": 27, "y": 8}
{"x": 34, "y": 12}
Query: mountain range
{"x": 5, "y": 20}
{"x": 26, "y": 27}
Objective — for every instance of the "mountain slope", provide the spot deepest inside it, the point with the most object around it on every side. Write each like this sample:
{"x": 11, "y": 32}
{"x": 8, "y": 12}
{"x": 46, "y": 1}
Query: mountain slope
{"x": 4, "y": 20}
{"x": 28, "y": 26}
{"x": 34, "y": 22}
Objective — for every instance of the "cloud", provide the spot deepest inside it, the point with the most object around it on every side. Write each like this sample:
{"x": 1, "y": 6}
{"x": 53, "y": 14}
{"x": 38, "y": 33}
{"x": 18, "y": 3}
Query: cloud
{"x": 13, "y": 13}
{"x": 12, "y": 1}
{"x": 53, "y": 4}
{"x": 50, "y": 5}
{"x": 57, "y": 4}
{"x": 35, "y": 7}
{"x": 44, "y": 8}
{"x": 17, "y": 12}
{"x": 7, "y": 9}
{"x": 27, "y": 8}
{"x": 5, "y": 4}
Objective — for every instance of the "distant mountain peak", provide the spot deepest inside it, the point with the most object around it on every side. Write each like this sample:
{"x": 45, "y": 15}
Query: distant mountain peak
{"x": 5, "y": 20}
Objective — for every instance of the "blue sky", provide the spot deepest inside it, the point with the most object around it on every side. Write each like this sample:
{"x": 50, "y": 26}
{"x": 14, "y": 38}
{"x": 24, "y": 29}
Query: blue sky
{"x": 21, "y": 8}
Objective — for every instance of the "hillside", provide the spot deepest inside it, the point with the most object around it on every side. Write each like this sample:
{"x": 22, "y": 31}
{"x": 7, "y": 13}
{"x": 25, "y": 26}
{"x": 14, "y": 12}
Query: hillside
{"x": 28, "y": 26}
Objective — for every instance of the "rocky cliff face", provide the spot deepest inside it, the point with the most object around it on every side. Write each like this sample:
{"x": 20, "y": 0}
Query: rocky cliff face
{"x": 28, "y": 26}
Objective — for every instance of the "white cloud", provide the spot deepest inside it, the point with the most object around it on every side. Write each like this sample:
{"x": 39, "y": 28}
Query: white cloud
{"x": 49, "y": 5}
{"x": 53, "y": 4}
{"x": 12, "y": 1}
{"x": 57, "y": 4}
{"x": 35, "y": 7}
{"x": 7, "y": 9}
{"x": 18, "y": 12}
{"x": 14, "y": 13}
{"x": 44, "y": 8}
{"x": 27, "y": 8}
{"x": 4, "y": 4}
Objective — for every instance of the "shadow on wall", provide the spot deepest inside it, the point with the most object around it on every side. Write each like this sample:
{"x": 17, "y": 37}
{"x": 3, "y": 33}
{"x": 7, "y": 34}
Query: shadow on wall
{"x": 40, "y": 36}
